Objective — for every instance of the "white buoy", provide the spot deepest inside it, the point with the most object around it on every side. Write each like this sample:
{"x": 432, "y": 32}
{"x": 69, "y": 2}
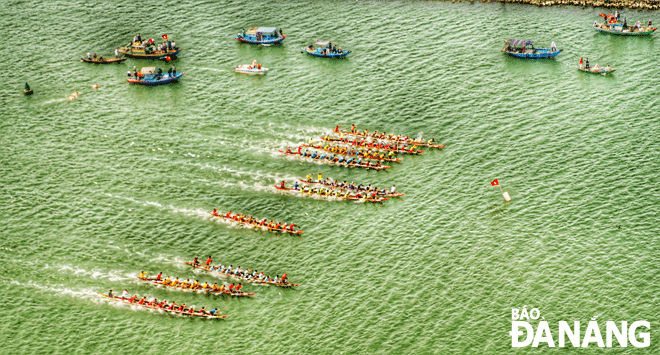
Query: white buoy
{"x": 507, "y": 198}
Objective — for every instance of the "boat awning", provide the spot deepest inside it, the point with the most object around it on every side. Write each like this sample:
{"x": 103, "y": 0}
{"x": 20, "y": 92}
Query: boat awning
{"x": 266, "y": 29}
{"x": 148, "y": 70}
{"x": 321, "y": 43}
{"x": 519, "y": 42}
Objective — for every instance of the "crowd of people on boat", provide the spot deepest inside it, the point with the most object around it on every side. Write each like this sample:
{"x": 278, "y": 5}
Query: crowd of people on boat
{"x": 371, "y": 196}
{"x": 150, "y": 46}
{"x": 271, "y": 225}
{"x": 163, "y": 305}
{"x": 366, "y": 154}
{"x": 340, "y": 160}
{"x": 333, "y": 184}
{"x": 327, "y": 50}
{"x": 384, "y": 136}
{"x": 585, "y": 65}
{"x": 612, "y": 21}
{"x": 246, "y": 274}
{"x": 158, "y": 75}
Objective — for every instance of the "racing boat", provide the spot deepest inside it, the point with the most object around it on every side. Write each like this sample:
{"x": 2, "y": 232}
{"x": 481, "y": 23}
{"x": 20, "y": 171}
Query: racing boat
{"x": 391, "y": 137}
{"x": 180, "y": 285}
{"x": 185, "y": 312}
{"x": 250, "y": 221}
{"x": 256, "y": 280}
{"x": 336, "y": 186}
{"x": 335, "y": 161}
{"x": 379, "y": 146}
{"x": 332, "y": 194}
{"x": 352, "y": 153}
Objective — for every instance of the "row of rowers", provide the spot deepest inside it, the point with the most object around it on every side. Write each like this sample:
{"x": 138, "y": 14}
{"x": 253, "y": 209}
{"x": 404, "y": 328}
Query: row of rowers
{"x": 381, "y": 135}
{"x": 164, "y": 305}
{"x": 362, "y": 153}
{"x": 248, "y": 275}
{"x": 332, "y": 158}
{"x": 188, "y": 285}
{"x": 272, "y": 225}
{"x": 346, "y": 186}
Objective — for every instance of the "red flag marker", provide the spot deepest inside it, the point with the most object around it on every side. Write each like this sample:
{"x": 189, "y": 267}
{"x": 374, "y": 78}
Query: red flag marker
{"x": 164, "y": 37}
{"x": 495, "y": 183}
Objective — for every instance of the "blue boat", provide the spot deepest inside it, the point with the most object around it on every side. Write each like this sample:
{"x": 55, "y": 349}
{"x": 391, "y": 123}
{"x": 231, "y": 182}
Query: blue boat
{"x": 325, "y": 50}
{"x": 148, "y": 76}
{"x": 525, "y": 49}
{"x": 261, "y": 35}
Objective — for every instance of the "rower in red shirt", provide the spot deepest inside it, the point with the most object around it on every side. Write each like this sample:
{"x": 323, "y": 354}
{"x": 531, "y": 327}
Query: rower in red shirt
{"x": 208, "y": 261}
{"x": 231, "y": 287}
{"x": 239, "y": 287}
{"x": 228, "y": 215}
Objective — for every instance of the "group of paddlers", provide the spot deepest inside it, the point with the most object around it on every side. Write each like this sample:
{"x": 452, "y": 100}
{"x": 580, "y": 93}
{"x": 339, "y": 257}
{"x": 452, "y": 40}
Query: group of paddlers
{"x": 349, "y": 161}
{"x": 249, "y": 275}
{"x": 352, "y": 186}
{"x": 192, "y": 285}
{"x": 272, "y": 225}
{"x": 389, "y": 146}
{"x": 368, "y": 154}
{"x": 164, "y": 305}
{"x": 382, "y": 135}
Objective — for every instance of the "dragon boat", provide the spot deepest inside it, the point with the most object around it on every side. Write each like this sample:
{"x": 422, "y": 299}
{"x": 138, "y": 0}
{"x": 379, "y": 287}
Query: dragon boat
{"x": 148, "y": 49}
{"x": 366, "y": 165}
{"x": 101, "y": 60}
{"x": 335, "y": 186}
{"x": 378, "y": 146}
{"x": 325, "y": 50}
{"x": 148, "y": 76}
{"x": 332, "y": 194}
{"x": 353, "y": 153}
{"x": 254, "y": 280}
{"x": 260, "y": 35}
{"x": 250, "y": 221}
{"x": 596, "y": 69}
{"x": 525, "y": 49}
{"x": 185, "y": 312}
{"x": 210, "y": 290}
{"x": 390, "y": 138}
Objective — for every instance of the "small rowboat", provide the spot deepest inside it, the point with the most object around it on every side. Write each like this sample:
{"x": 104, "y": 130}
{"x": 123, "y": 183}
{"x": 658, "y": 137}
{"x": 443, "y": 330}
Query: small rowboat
{"x": 347, "y": 153}
{"x": 102, "y": 60}
{"x": 255, "y": 223}
{"x": 347, "y": 188}
{"x": 27, "y": 92}
{"x": 347, "y": 196}
{"x": 183, "y": 313}
{"x": 260, "y": 35}
{"x": 377, "y": 146}
{"x": 238, "y": 277}
{"x": 525, "y": 49}
{"x": 366, "y": 165}
{"x": 596, "y": 70}
{"x": 250, "y": 69}
{"x": 148, "y": 77}
{"x": 389, "y": 138}
{"x": 200, "y": 290}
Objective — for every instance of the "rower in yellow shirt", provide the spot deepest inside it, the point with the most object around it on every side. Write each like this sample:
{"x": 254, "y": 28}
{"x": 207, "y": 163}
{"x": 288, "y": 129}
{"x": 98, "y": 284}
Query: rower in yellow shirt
{"x": 143, "y": 275}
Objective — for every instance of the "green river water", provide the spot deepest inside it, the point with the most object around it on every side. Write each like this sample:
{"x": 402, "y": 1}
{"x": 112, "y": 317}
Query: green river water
{"x": 95, "y": 190}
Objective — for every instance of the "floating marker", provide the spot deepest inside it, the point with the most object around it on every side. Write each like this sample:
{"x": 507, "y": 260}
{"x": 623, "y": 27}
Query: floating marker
{"x": 507, "y": 198}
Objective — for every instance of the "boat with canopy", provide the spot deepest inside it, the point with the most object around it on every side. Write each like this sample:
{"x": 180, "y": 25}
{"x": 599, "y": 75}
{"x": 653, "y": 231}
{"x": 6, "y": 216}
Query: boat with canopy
{"x": 325, "y": 49}
{"x": 260, "y": 35}
{"x": 525, "y": 49}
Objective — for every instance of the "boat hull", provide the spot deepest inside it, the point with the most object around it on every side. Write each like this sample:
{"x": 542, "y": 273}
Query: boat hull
{"x": 331, "y": 55}
{"x": 166, "y": 79}
{"x": 104, "y": 61}
{"x": 243, "y": 69}
{"x": 27, "y": 92}
{"x": 600, "y": 71}
{"x": 128, "y": 53}
{"x": 539, "y": 53}
{"x": 262, "y": 42}
{"x": 622, "y": 33}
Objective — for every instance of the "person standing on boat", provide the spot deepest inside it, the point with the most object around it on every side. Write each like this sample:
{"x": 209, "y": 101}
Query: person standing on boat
{"x": 173, "y": 70}
{"x": 580, "y": 63}
{"x": 116, "y": 53}
{"x": 129, "y": 74}
{"x": 89, "y": 55}
{"x": 587, "y": 63}
{"x": 553, "y": 46}
{"x": 139, "y": 38}
{"x": 281, "y": 35}
{"x": 650, "y": 23}
{"x": 209, "y": 261}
